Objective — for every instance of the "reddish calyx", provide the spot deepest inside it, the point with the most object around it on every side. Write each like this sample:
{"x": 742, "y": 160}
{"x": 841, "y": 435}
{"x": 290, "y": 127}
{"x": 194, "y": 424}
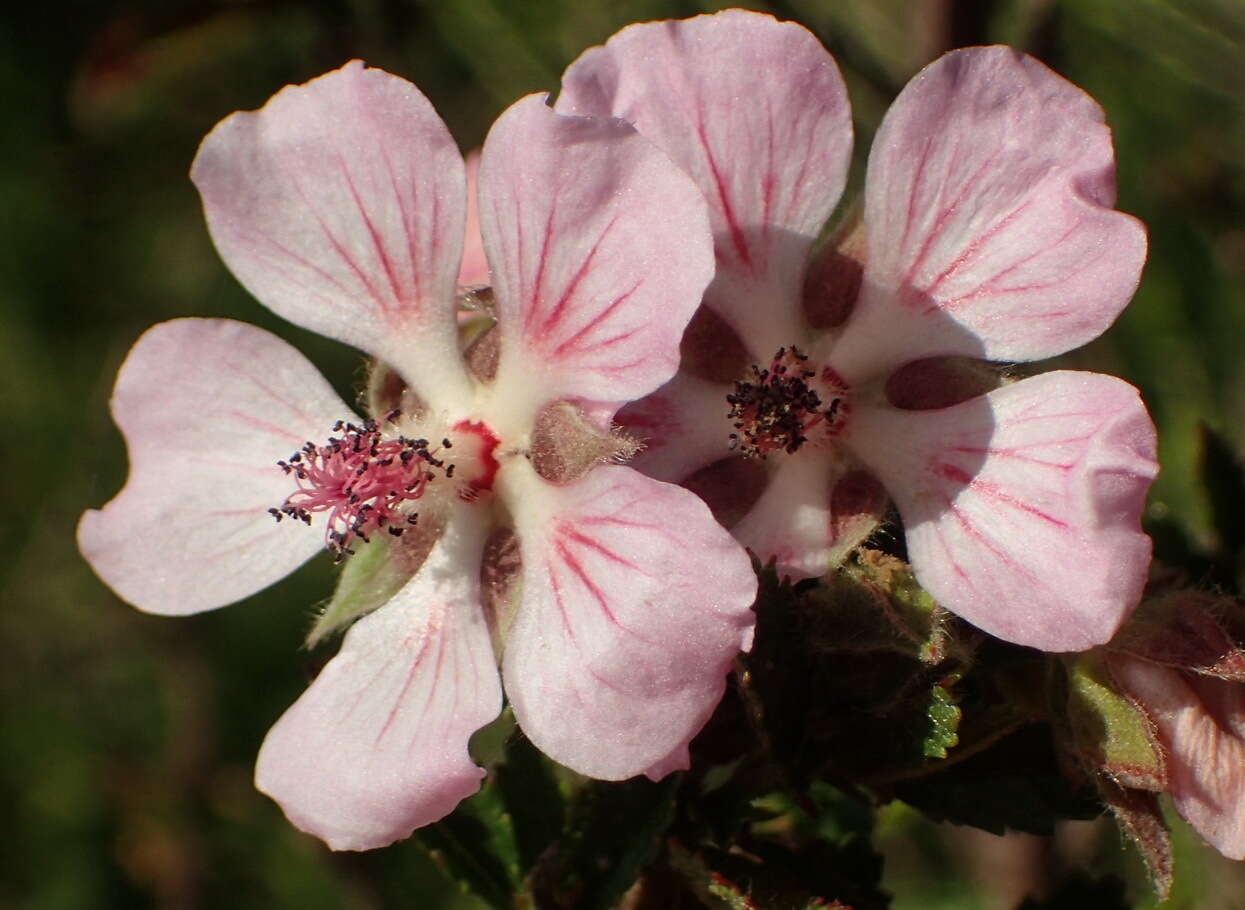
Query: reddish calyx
{"x": 363, "y": 479}
{"x": 780, "y": 407}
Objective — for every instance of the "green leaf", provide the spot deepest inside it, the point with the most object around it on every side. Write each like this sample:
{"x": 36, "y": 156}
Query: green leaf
{"x": 1015, "y": 784}
{"x": 476, "y": 845}
{"x": 813, "y": 850}
{"x": 944, "y": 723}
{"x": 912, "y": 614}
{"x": 614, "y": 831}
{"x": 530, "y": 791}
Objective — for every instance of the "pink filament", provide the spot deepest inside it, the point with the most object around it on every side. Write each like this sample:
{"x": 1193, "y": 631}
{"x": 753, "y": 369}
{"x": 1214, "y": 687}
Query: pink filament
{"x": 362, "y": 479}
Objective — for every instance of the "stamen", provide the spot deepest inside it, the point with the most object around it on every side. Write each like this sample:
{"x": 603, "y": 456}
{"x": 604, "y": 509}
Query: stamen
{"x": 777, "y": 408}
{"x": 362, "y": 479}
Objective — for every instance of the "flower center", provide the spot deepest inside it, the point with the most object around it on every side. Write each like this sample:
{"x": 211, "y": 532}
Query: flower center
{"x": 784, "y": 405}
{"x": 363, "y": 479}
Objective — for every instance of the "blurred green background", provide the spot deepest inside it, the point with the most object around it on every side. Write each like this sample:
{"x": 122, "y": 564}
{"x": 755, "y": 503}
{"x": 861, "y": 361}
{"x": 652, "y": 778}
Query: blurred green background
{"x": 127, "y": 741}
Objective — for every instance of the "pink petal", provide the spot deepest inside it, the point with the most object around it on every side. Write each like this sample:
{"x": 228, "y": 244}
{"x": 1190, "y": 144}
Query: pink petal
{"x": 791, "y": 523}
{"x": 599, "y": 249}
{"x": 340, "y": 205}
{"x": 683, "y": 426}
{"x": 814, "y": 511}
{"x": 1207, "y": 758}
{"x": 678, "y": 760}
{"x": 755, "y": 110}
{"x": 988, "y": 218}
{"x": 621, "y": 643}
{"x": 207, "y": 407}
{"x": 1022, "y": 507}
{"x": 377, "y": 746}
{"x": 473, "y": 272}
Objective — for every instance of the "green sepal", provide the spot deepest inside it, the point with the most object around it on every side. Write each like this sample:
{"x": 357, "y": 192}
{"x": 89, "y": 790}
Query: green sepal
{"x": 1141, "y": 819}
{"x": 368, "y": 579}
{"x": 1109, "y": 733}
{"x": 1192, "y": 630}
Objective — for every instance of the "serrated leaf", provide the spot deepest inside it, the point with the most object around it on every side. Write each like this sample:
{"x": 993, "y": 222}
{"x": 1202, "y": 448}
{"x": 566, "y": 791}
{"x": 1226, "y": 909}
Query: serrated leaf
{"x": 476, "y": 845}
{"x": 944, "y": 724}
{"x": 1109, "y": 732}
{"x": 526, "y": 781}
{"x": 713, "y": 889}
{"x": 1015, "y": 784}
{"x": 614, "y": 830}
{"x": 911, "y": 612}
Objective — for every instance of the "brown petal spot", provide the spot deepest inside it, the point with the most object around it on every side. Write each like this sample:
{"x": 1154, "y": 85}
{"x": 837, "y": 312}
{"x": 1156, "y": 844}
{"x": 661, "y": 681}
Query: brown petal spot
{"x": 940, "y": 382}
{"x": 730, "y": 487}
{"x": 386, "y": 391}
{"x": 711, "y": 349}
{"x": 566, "y": 444}
{"x": 501, "y": 568}
{"x": 482, "y": 354}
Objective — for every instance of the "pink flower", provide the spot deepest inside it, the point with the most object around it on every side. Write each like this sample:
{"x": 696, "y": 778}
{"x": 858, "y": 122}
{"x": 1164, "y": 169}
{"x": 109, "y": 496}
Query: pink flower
{"x": 1200, "y": 723}
{"x": 987, "y": 233}
{"x": 341, "y": 206}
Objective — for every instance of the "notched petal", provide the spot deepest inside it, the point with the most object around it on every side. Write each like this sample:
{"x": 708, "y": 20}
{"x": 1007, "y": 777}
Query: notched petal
{"x": 1022, "y": 507}
{"x": 501, "y": 569}
{"x": 340, "y": 205}
{"x": 771, "y": 166}
{"x": 207, "y": 408}
{"x": 989, "y": 221}
{"x": 595, "y": 277}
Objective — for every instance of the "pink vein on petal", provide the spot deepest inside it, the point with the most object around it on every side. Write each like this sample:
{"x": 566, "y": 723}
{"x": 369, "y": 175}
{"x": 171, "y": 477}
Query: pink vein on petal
{"x": 945, "y": 214}
{"x": 421, "y": 649}
{"x": 337, "y": 246}
{"x": 918, "y": 182}
{"x": 728, "y": 212}
{"x": 570, "y": 343}
{"x": 538, "y": 281}
{"x": 408, "y": 225}
{"x": 554, "y": 316}
{"x": 377, "y": 243}
{"x": 263, "y": 425}
{"x": 994, "y": 492}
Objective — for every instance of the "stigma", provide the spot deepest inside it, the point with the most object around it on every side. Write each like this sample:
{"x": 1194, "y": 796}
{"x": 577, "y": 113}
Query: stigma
{"x": 783, "y": 406}
{"x": 366, "y": 480}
